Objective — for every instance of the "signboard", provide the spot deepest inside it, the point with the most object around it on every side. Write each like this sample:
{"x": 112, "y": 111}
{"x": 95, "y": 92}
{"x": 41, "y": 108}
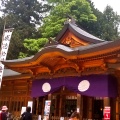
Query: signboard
{"x": 78, "y": 110}
{"x": 47, "y": 109}
{"x": 7, "y": 33}
{"x": 23, "y": 110}
{"x": 61, "y": 118}
{"x": 39, "y": 117}
{"x": 106, "y": 113}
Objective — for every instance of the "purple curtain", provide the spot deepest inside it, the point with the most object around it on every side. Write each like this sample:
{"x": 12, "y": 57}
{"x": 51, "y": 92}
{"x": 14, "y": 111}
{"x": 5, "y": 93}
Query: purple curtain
{"x": 92, "y": 85}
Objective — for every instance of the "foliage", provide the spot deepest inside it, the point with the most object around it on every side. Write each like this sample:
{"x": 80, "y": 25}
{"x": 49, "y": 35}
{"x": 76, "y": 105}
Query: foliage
{"x": 29, "y": 11}
{"x": 79, "y": 9}
{"x": 103, "y": 28}
{"x": 33, "y": 46}
{"x": 93, "y": 27}
{"x": 23, "y": 16}
{"x": 111, "y": 23}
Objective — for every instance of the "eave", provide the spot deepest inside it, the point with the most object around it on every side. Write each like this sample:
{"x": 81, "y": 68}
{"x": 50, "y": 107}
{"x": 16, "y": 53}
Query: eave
{"x": 79, "y": 33}
{"x": 69, "y": 53}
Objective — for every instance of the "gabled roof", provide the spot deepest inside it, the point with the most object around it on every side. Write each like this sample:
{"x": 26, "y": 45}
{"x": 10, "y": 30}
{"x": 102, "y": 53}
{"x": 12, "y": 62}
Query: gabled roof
{"x": 45, "y": 59}
{"x": 79, "y": 33}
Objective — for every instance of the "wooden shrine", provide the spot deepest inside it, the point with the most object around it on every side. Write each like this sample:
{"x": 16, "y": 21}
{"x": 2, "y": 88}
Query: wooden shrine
{"x": 73, "y": 53}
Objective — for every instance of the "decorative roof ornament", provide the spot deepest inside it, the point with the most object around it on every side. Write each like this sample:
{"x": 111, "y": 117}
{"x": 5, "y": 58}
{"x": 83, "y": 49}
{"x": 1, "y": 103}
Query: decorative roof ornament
{"x": 70, "y": 20}
{"x": 51, "y": 41}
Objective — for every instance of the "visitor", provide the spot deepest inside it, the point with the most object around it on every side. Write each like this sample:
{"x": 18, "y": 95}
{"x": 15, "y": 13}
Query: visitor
{"x": 5, "y": 115}
{"x": 27, "y": 115}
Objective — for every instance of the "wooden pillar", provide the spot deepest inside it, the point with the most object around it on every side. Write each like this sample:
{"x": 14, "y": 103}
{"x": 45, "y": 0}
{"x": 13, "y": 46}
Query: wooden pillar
{"x": 106, "y": 101}
{"x": 49, "y": 97}
{"x": 78, "y": 103}
{"x": 55, "y": 106}
{"x": 117, "y": 108}
{"x": 79, "y": 109}
{"x": 37, "y": 100}
{"x": 43, "y": 106}
{"x": 60, "y": 105}
{"x": 89, "y": 114}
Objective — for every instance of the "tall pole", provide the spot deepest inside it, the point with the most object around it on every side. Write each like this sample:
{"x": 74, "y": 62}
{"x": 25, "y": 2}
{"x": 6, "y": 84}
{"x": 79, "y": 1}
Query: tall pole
{"x": 7, "y": 33}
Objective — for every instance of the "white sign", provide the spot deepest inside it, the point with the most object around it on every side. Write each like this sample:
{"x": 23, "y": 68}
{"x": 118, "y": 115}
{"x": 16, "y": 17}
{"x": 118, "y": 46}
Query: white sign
{"x": 106, "y": 113}
{"x": 23, "y": 110}
{"x": 39, "y": 117}
{"x": 78, "y": 110}
{"x": 61, "y": 118}
{"x": 47, "y": 107}
{"x": 5, "y": 43}
{"x": 30, "y": 104}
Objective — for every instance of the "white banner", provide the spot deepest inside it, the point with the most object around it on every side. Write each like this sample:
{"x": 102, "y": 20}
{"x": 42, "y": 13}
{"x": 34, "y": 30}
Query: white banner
{"x": 7, "y": 33}
{"x": 5, "y": 43}
{"x": 1, "y": 72}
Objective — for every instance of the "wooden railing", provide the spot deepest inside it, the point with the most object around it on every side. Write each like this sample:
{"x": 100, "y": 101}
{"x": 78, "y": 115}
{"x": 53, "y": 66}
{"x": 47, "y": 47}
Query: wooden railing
{"x": 35, "y": 117}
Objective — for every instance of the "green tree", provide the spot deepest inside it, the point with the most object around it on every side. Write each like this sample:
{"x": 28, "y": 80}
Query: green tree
{"x": 103, "y": 28}
{"x": 93, "y": 27}
{"x": 111, "y": 23}
{"x": 53, "y": 23}
{"x": 23, "y": 16}
{"x": 32, "y": 46}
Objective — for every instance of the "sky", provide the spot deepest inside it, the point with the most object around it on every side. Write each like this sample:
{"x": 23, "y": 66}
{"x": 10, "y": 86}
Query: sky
{"x": 101, "y": 4}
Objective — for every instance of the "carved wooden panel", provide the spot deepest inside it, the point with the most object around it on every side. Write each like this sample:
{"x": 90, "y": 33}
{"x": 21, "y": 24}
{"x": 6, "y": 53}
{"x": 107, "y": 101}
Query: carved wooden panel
{"x": 69, "y": 39}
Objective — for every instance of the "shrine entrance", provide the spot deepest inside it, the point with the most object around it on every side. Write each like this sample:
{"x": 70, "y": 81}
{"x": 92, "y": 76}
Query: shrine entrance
{"x": 64, "y": 102}
{"x": 98, "y": 109}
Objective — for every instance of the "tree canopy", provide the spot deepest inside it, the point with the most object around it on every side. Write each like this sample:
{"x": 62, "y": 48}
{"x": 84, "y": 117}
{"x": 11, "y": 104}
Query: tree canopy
{"x": 110, "y": 24}
{"x": 79, "y": 9}
{"x": 23, "y": 16}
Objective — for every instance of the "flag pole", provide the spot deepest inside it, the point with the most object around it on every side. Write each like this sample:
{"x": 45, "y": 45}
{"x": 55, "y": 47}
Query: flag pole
{"x": 6, "y": 37}
{"x": 2, "y": 36}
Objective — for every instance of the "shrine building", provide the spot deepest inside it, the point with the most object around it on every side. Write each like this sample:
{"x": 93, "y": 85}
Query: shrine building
{"x": 76, "y": 71}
